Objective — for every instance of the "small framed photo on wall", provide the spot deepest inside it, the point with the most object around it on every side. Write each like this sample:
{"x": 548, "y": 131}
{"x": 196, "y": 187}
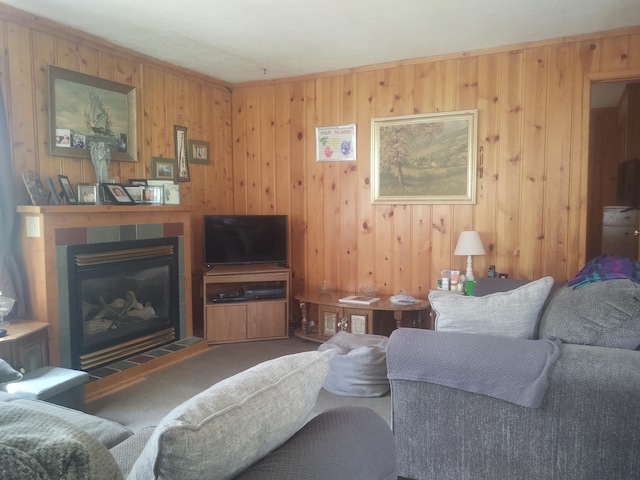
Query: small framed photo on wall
{"x": 163, "y": 168}
{"x": 199, "y": 152}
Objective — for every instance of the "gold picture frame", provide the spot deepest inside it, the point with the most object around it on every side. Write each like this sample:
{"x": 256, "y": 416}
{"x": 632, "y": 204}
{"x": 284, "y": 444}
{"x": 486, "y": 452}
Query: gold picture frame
{"x": 199, "y": 152}
{"x": 85, "y": 109}
{"x": 424, "y": 159}
{"x": 163, "y": 168}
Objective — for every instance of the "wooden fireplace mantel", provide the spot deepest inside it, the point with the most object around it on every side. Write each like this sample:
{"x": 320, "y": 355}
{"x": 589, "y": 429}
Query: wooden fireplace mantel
{"x": 44, "y": 228}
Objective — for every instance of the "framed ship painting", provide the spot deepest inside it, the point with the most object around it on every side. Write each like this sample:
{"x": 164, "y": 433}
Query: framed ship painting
{"x": 85, "y": 109}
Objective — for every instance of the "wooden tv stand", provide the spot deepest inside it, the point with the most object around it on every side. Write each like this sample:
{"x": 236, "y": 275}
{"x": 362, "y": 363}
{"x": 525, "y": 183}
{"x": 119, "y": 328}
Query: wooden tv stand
{"x": 232, "y": 316}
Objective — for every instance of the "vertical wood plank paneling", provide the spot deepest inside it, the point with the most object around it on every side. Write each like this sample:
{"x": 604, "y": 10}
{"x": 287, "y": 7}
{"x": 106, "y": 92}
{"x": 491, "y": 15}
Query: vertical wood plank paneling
{"x": 282, "y": 149}
{"x": 315, "y": 201}
{"x": 239, "y": 119}
{"x": 366, "y": 101}
{"x": 196, "y": 97}
{"x": 509, "y": 163}
{"x": 615, "y": 53}
{"x": 348, "y": 190}
{"x": 466, "y": 98}
{"x": 20, "y": 96}
{"x": 297, "y": 209}
{"x": 533, "y": 159}
{"x": 267, "y": 204}
{"x": 253, "y": 158}
{"x": 329, "y": 97}
{"x": 634, "y": 51}
{"x": 173, "y": 116}
{"x": 559, "y": 115}
{"x": 488, "y": 142}
{"x": 586, "y": 60}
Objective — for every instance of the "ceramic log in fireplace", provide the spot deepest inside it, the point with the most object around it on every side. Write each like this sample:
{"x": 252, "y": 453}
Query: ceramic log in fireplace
{"x": 123, "y": 299}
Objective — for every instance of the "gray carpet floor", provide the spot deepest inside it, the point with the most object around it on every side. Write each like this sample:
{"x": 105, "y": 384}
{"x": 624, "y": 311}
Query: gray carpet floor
{"x": 146, "y": 402}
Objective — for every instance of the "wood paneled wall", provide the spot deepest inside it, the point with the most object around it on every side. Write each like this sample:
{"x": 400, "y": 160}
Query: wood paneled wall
{"x": 532, "y": 178}
{"x": 166, "y": 96}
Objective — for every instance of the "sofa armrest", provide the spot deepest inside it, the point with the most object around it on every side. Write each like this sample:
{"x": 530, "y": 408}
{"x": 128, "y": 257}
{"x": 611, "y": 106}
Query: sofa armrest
{"x": 346, "y": 442}
{"x": 587, "y": 426}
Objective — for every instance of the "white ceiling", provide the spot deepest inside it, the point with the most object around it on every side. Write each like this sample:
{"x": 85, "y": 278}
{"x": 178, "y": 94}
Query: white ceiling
{"x": 244, "y": 40}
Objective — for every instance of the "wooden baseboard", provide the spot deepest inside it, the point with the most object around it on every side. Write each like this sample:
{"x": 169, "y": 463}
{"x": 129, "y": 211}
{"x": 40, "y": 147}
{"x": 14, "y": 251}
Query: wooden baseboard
{"x": 113, "y": 383}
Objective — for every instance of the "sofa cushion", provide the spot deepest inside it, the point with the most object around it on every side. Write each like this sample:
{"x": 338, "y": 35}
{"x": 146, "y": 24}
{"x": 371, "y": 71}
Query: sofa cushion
{"x": 7, "y": 373}
{"x": 224, "y": 429}
{"x": 603, "y": 313}
{"x": 514, "y": 313}
{"x": 36, "y": 445}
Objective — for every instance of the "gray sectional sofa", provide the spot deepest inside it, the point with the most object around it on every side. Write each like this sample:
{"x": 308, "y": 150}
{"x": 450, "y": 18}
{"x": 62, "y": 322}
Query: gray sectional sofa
{"x": 561, "y": 404}
{"x": 255, "y": 425}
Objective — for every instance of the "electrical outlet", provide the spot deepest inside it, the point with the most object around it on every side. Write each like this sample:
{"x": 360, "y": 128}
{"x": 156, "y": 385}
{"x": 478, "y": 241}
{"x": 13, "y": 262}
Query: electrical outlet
{"x": 33, "y": 227}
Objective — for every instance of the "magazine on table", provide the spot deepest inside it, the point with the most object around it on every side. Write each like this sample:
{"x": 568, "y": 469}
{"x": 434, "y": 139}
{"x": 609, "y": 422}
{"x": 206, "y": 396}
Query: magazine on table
{"x": 359, "y": 299}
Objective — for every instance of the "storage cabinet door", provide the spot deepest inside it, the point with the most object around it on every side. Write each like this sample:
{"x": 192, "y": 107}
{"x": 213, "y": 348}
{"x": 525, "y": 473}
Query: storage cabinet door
{"x": 358, "y": 320}
{"x": 226, "y": 323}
{"x": 266, "y": 320}
{"x": 329, "y": 320}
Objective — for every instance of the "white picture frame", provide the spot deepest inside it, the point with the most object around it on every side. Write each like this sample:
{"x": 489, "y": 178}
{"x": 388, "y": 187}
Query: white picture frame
{"x": 336, "y": 144}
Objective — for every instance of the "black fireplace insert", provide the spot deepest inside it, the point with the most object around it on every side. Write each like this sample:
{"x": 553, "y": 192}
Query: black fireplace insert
{"x": 123, "y": 299}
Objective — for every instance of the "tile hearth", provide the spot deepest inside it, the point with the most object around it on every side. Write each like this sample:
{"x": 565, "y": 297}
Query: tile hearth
{"x": 142, "y": 358}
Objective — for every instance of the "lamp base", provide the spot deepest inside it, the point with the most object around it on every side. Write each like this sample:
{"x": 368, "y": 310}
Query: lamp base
{"x": 469, "y": 275}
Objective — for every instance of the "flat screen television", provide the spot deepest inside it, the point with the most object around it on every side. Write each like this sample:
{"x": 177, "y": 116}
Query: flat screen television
{"x": 245, "y": 239}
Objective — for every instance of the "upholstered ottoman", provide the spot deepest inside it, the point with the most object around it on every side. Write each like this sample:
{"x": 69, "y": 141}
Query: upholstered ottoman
{"x": 359, "y": 367}
{"x": 57, "y": 385}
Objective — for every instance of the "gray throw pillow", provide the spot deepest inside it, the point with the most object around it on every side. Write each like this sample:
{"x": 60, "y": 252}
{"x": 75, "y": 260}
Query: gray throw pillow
{"x": 605, "y": 314}
{"x": 512, "y": 314}
{"x": 221, "y": 431}
{"x": 8, "y": 374}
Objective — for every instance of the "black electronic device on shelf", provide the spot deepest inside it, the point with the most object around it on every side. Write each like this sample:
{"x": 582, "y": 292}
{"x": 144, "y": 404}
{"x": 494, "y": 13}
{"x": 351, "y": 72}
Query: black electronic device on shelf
{"x": 245, "y": 239}
{"x": 264, "y": 291}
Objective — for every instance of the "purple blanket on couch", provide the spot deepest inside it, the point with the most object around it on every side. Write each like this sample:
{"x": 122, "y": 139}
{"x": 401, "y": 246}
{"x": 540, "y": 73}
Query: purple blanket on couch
{"x": 606, "y": 267}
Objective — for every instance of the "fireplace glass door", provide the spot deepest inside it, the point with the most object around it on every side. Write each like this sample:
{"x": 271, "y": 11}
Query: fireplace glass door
{"x": 122, "y": 301}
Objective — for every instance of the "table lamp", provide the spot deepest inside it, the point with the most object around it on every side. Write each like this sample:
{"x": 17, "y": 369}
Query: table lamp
{"x": 469, "y": 244}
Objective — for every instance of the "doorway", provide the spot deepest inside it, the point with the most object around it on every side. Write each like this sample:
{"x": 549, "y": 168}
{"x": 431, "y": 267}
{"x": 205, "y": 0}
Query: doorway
{"x": 605, "y": 152}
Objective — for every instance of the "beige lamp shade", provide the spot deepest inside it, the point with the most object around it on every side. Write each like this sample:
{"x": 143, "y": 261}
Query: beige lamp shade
{"x": 469, "y": 244}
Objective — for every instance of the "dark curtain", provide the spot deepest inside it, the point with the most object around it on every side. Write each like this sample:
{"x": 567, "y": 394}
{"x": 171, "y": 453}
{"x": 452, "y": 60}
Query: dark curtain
{"x": 10, "y": 278}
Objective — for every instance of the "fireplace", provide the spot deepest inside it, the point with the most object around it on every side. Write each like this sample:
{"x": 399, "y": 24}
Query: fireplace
{"x": 123, "y": 299}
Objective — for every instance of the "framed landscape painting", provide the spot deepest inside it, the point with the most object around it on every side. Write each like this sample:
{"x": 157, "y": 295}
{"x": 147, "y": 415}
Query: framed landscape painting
{"x": 85, "y": 110}
{"x": 424, "y": 159}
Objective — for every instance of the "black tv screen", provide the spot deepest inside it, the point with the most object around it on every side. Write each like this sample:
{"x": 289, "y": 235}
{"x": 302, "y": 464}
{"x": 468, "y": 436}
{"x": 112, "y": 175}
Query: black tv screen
{"x": 245, "y": 239}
